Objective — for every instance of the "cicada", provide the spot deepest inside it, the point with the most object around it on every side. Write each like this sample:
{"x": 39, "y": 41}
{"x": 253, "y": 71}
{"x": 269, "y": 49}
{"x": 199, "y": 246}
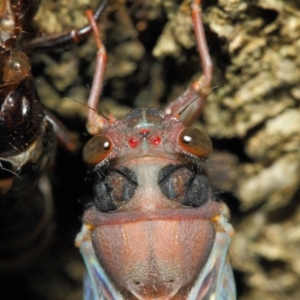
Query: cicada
{"x": 152, "y": 227}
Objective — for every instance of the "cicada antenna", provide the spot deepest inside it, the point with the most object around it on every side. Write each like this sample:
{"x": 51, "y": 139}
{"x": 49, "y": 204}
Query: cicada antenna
{"x": 182, "y": 111}
{"x": 94, "y": 125}
{"x": 89, "y": 107}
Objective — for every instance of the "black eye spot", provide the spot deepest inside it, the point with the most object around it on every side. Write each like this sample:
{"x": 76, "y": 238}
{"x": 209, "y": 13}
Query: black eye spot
{"x": 103, "y": 199}
{"x": 113, "y": 188}
{"x": 197, "y": 192}
{"x": 180, "y": 184}
{"x": 168, "y": 181}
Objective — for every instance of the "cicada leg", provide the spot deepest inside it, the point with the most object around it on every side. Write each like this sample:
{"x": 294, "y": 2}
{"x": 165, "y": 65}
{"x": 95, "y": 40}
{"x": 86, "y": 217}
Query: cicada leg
{"x": 96, "y": 123}
{"x": 188, "y": 106}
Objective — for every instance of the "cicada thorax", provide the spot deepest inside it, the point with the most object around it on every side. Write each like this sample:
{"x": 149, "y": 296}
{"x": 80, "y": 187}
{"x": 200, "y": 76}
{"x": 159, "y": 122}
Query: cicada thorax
{"x": 153, "y": 217}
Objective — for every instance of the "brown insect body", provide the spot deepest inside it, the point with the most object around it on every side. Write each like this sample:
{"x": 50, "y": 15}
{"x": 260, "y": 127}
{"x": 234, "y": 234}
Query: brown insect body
{"x": 27, "y": 149}
{"x": 21, "y": 113}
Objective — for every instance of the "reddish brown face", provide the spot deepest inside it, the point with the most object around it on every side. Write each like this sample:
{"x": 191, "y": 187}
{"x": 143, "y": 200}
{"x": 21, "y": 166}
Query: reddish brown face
{"x": 147, "y": 132}
{"x": 152, "y": 207}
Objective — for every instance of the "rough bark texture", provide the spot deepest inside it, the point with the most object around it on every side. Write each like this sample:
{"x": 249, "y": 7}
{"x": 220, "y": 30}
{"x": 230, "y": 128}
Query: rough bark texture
{"x": 252, "y": 116}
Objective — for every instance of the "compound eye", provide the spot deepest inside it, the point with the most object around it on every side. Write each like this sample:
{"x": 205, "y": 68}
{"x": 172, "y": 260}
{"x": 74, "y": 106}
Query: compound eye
{"x": 195, "y": 141}
{"x": 97, "y": 149}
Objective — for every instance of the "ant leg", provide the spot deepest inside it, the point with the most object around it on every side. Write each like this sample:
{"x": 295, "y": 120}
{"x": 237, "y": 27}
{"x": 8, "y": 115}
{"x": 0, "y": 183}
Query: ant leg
{"x": 10, "y": 42}
{"x": 65, "y": 138}
{"x": 16, "y": 12}
{"x": 190, "y": 104}
{"x": 29, "y": 9}
{"x": 65, "y": 38}
{"x": 95, "y": 122}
